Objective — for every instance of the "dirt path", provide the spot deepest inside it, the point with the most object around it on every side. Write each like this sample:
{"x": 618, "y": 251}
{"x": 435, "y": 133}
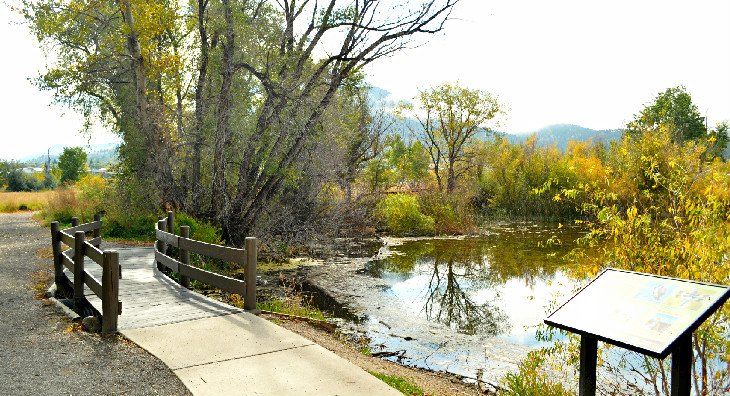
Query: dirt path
{"x": 40, "y": 351}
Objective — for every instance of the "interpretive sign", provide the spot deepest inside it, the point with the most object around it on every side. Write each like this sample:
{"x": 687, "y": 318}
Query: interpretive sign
{"x": 644, "y": 313}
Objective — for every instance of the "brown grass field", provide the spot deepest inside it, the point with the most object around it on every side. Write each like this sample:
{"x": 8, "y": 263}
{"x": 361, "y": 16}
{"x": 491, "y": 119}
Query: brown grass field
{"x": 21, "y": 201}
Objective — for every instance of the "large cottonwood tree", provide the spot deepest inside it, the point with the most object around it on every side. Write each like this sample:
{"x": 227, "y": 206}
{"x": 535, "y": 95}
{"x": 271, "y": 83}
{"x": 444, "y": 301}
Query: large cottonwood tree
{"x": 218, "y": 102}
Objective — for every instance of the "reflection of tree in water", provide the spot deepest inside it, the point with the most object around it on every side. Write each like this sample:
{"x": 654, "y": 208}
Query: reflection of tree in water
{"x": 449, "y": 304}
{"x": 456, "y": 267}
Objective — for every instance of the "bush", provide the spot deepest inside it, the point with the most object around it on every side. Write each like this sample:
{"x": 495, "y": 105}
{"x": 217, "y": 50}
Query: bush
{"x": 84, "y": 200}
{"x": 20, "y": 181}
{"x": 452, "y": 214}
{"x": 136, "y": 227}
{"x": 402, "y": 215}
{"x": 531, "y": 380}
{"x": 62, "y": 206}
{"x": 199, "y": 230}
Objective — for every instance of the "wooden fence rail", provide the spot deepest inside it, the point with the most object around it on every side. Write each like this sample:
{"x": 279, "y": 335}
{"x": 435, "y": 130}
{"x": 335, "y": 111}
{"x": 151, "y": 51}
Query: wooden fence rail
{"x": 165, "y": 237}
{"x": 107, "y": 289}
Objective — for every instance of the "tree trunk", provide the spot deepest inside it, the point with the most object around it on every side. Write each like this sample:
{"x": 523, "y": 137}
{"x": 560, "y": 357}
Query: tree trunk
{"x": 140, "y": 84}
{"x": 451, "y": 178}
{"x": 219, "y": 199}
{"x": 200, "y": 109}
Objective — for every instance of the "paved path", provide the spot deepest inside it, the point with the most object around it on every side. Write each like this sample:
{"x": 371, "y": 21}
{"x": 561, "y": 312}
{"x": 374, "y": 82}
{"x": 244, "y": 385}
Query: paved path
{"x": 38, "y": 356}
{"x": 216, "y": 349}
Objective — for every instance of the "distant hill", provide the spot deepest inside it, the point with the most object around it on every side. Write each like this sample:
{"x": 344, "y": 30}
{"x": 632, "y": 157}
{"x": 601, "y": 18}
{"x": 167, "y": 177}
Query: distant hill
{"x": 560, "y": 134}
{"x": 99, "y": 155}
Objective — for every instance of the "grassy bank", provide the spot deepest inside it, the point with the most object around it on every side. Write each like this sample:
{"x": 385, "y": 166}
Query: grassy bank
{"x": 20, "y": 201}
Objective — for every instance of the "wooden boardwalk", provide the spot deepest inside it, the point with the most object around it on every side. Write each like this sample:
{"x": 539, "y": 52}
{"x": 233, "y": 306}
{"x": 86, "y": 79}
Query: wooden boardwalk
{"x": 150, "y": 298}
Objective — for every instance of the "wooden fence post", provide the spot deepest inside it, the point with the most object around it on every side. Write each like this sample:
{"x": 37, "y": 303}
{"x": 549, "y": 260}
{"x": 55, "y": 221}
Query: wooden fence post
{"x": 110, "y": 291}
{"x": 185, "y": 256}
{"x": 74, "y": 221}
{"x": 161, "y": 246}
{"x": 78, "y": 267}
{"x": 249, "y": 302}
{"x": 97, "y": 231}
{"x": 56, "y": 246}
{"x": 170, "y": 223}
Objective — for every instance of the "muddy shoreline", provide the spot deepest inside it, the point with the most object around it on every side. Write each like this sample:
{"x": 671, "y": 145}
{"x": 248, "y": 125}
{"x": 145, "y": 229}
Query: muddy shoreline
{"x": 364, "y": 314}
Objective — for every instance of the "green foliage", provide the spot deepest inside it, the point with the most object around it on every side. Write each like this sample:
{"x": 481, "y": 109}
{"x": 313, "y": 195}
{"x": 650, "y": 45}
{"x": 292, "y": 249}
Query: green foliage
{"x": 291, "y": 306}
{"x": 454, "y": 116}
{"x": 531, "y": 380}
{"x": 20, "y": 181}
{"x": 520, "y": 180}
{"x": 199, "y": 230}
{"x": 673, "y": 111}
{"x": 665, "y": 210}
{"x": 408, "y": 161}
{"x": 5, "y": 168}
{"x": 402, "y": 215}
{"x": 72, "y": 163}
{"x": 719, "y": 141}
{"x": 452, "y": 214}
{"x": 139, "y": 227}
{"x": 403, "y": 385}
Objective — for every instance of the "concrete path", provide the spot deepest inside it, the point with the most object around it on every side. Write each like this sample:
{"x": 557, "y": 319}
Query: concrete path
{"x": 216, "y": 349}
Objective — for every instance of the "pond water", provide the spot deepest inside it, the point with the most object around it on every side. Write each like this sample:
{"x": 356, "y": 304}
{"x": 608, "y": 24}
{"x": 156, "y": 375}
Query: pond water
{"x": 469, "y": 306}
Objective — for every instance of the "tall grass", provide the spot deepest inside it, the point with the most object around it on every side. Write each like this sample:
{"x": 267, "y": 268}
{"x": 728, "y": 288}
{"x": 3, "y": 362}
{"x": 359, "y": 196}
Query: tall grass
{"x": 20, "y": 201}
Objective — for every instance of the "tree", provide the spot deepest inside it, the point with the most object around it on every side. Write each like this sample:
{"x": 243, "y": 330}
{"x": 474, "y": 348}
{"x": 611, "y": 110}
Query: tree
{"x": 220, "y": 104}
{"x": 674, "y": 111}
{"x": 72, "y": 163}
{"x": 296, "y": 88}
{"x": 719, "y": 140}
{"x": 453, "y": 117}
{"x": 18, "y": 180}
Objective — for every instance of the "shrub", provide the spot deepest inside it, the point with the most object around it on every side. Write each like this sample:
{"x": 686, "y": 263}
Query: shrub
{"x": 199, "y": 229}
{"x": 62, "y": 206}
{"x": 20, "y": 181}
{"x": 452, "y": 214}
{"x": 135, "y": 227}
{"x": 87, "y": 198}
{"x": 531, "y": 380}
{"x": 402, "y": 215}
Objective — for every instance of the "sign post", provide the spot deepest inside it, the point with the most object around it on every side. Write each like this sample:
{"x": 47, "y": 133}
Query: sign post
{"x": 648, "y": 314}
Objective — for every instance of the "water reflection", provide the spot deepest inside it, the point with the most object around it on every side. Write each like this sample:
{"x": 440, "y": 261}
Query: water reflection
{"x": 449, "y": 303}
{"x": 492, "y": 285}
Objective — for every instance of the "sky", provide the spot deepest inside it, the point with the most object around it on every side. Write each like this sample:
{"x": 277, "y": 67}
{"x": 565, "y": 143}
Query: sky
{"x": 31, "y": 123}
{"x": 582, "y": 62}
{"x": 590, "y": 63}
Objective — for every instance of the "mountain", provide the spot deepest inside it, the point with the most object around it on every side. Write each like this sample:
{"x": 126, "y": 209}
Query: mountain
{"x": 99, "y": 155}
{"x": 560, "y": 134}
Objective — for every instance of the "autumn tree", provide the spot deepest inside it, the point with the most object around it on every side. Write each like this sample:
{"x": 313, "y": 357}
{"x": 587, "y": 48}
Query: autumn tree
{"x": 219, "y": 104}
{"x": 116, "y": 62}
{"x": 297, "y": 85}
{"x": 451, "y": 117}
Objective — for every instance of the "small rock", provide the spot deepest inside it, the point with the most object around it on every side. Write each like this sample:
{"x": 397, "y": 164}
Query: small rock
{"x": 92, "y": 324}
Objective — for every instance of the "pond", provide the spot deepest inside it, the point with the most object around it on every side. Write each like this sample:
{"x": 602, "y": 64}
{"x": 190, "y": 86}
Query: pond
{"x": 469, "y": 306}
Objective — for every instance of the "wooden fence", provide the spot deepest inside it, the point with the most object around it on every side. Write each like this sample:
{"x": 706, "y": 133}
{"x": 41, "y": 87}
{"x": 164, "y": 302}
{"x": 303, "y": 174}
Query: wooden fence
{"x": 247, "y": 257}
{"x": 73, "y": 258}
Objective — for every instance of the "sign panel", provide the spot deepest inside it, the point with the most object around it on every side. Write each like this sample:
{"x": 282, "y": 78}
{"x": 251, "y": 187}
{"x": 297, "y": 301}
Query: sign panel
{"x": 641, "y": 312}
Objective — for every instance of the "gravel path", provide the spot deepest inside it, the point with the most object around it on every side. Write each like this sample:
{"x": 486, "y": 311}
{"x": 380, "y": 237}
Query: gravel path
{"x": 38, "y": 353}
